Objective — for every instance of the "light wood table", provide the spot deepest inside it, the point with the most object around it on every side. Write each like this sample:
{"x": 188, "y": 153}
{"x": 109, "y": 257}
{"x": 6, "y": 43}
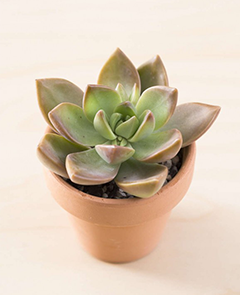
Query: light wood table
{"x": 199, "y": 43}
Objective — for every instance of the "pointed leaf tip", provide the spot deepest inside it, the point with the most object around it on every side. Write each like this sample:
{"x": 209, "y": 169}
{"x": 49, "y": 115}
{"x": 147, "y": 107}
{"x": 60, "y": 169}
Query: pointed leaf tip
{"x": 70, "y": 121}
{"x": 153, "y": 73}
{"x": 161, "y": 101}
{"x": 192, "y": 120}
{"x": 122, "y": 92}
{"x": 147, "y": 125}
{"x": 101, "y": 125}
{"x": 97, "y": 98}
{"x": 119, "y": 69}
{"x": 135, "y": 95}
{"x": 127, "y": 128}
{"x": 141, "y": 179}
{"x": 53, "y": 150}
{"x": 88, "y": 168}
{"x": 158, "y": 147}
{"x": 53, "y": 91}
{"x": 114, "y": 154}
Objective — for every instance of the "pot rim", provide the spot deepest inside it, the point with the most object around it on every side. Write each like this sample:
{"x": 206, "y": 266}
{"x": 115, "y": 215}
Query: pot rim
{"x": 188, "y": 157}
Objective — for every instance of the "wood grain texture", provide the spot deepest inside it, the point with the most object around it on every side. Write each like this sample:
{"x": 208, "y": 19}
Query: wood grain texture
{"x": 199, "y": 44}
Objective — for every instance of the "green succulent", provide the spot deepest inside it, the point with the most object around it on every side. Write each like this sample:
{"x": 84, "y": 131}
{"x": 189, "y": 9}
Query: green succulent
{"x": 120, "y": 128}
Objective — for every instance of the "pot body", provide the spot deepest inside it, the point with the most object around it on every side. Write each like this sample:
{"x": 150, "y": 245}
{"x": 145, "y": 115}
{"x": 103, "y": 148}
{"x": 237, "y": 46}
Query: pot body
{"x": 119, "y": 243}
{"x": 122, "y": 230}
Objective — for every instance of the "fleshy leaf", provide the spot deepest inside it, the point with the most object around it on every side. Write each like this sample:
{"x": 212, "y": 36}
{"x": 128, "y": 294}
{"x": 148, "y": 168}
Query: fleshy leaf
{"x": 101, "y": 125}
{"x": 53, "y": 150}
{"x": 114, "y": 119}
{"x": 127, "y": 128}
{"x": 161, "y": 101}
{"x": 52, "y": 92}
{"x": 98, "y": 98}
{"x": 126, "y": 109}
{"x": 135, "y": 95}
{"x": 124, "y": 142}
{"x": 158, "y": 147}
{"x": 114, "y": 154}
{"x": 122, "y": 92}
{"x": 88, "y": 168}
{"x": 141, "y": 179}
{"x": 70, "y": 121}
{"x": 153, "y": 73}
{"x": 147, "y": 125}
{"x": 119, "y": 69}
{"x": 192, "y": 120}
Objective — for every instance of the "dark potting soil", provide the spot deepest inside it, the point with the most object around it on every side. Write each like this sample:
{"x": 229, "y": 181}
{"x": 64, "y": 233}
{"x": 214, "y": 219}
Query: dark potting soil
{"x": 111, "y": 191}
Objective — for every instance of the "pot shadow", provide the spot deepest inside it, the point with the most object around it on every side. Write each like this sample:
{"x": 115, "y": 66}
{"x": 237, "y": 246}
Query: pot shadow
{"x": 199, "y": 248}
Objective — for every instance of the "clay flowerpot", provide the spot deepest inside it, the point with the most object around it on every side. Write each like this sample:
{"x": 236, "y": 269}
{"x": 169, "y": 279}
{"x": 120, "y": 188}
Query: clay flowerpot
{"x": 122, "y": 230}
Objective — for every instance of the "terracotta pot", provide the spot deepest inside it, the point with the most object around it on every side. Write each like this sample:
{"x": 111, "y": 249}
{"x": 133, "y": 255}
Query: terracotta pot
{"x": 116, "y": 230}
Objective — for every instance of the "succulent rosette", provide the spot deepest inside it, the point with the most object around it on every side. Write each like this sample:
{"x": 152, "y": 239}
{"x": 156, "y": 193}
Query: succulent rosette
{"x": 119, "y": 129}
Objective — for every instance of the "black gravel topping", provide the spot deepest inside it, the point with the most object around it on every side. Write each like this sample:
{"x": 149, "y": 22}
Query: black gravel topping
{"x": 111, "y": 191}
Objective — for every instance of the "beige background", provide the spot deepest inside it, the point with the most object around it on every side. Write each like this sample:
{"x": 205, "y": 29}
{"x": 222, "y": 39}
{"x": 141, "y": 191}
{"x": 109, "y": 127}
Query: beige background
{"x": 199, "y": 43}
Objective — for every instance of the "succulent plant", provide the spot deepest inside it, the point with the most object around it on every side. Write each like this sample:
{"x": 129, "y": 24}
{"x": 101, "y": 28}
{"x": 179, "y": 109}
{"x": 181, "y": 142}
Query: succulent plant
{"x": 120, "y": 128}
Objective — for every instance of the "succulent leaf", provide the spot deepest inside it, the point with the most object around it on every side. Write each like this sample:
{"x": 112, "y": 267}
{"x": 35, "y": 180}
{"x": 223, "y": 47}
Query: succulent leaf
{"x": 70, "y": 121}
{"x": 114, "y": 154}
{"x": 141, "y": 179}
{"x": 127, "y": 128}
{"x": 124, "y": 142}
{"x": 153, "y": 73}
{"x": 53, "y": 150}
{"x": 192, "y": 120}
{"x": 126, "y": 109}
{"x": 158, "y": 147}
{"x": 88, "y": 168}
{"x": 147, "y": 125}
{"x": 114, "y": 119}
{"x": 121, "y": 129}
{"x": 135, "y": 95}
{"x": 114, "y": 142}
{"x": 101, "y": 125}
{"x": 52, "y": 92}
{"x": 122, "y": 92}
{"x": 98, "y": 98}
{"x": 119, "y": 69}
{"x": 161, "y": 101}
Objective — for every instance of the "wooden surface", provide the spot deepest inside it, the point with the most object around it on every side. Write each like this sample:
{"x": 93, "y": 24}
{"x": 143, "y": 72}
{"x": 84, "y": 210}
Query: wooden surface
{"x": 199, "y": 43}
